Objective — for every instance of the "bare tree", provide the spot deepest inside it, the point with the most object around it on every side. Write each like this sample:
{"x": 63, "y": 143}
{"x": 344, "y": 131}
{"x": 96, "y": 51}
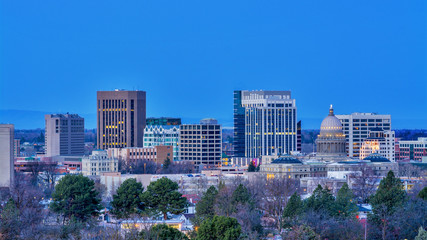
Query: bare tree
{"x": 276, "y": 194}
{"x": 409, "y": 170}
{"x": 364, "y": 182}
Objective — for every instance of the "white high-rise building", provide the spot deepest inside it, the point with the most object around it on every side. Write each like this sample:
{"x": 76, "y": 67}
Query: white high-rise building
{"x": 356, "y": 128}
{"x": 65, "y": 134}
{"x": 162, "y": 135}
{"x": 6, "y": 155}
{"x": 270, "y": 123}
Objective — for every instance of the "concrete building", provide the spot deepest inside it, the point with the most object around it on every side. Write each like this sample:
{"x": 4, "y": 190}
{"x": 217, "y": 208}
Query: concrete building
{"x": 201, "y": 143}
{"x": 270, "y": 122}
{"x": 167, "y": 135}
{"x": 7, "y": 132}
{"x": 17, "y": 148}
{"x": 120, "y": 118}
{"x": 331, "y": 140}
{"x": 64, "y": 134}
{"x": 99, "y": 162}
{"x": 156, "y": 154}
{"x": 163, "y": 121}
{"x": 291, "y": 167}
{"x": 356, "y": 128}
{"x": 381, "y": 142}
{"x": 412, "y": 149}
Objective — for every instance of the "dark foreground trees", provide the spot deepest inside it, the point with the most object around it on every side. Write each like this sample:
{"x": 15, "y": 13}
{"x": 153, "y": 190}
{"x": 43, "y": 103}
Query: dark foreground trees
{"x": 75, "y": 197}
{"x": 162, "y": 196}
{"x": 128, "y": 199}
{"x": 219, "y": 227}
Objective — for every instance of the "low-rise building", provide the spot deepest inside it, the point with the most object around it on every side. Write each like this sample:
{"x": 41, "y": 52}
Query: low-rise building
{"x": 412, "y": 149}
{"x": 381, "y": 142}
{"x": 99, "y": 162}
{"x": 156, "y": 154}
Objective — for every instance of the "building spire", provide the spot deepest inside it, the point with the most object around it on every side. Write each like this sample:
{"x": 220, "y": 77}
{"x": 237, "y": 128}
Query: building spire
{"x": 331, "y": 111}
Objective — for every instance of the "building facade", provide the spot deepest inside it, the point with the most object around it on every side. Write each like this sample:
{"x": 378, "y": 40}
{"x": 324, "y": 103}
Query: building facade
{"x": 356, "y": 128}
{"x": 201, "y": 143}
{"x": 64, "y": 134}
{"x": 99, "y": 162}
{"x": 156, "y": 154}
{"x": 412, "y": 149}
{"x": 239, "y": 125}
{"x": 120, "y": 118}
{"x": 381, "y": 142}
{"x": 167, "y": 135}
{"x": 17, "y": 148}
{"x": 270, "y": 122}
{"x": 331, "y": 140}
{"x": 163, "y": 121}
{"x": 7, "y": 132}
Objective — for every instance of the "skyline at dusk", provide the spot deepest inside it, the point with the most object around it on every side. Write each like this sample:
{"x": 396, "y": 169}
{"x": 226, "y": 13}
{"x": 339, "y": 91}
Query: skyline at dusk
{"x": 190, "y": 56}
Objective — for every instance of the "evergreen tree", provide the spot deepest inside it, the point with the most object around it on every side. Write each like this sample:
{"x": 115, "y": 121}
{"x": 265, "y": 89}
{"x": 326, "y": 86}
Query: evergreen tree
{"x": 241, "y": 195}
{"x": 164, "y": 232}
{"x": 321, "y": 200}
{"x": 251, "y": 167}
{"x": 9, "y": 221}
{"x": 128, "y": 199}
{"x": 75, "y": 196}
{"x": 294, "y": 207}
{"x": 163, "y": 196}
{"x": 219, "y": 227}
{"x": 166, "y": 163}
{"x": 390, "y": 194}
{"x": 423, "y": 193}
{"x": 422, "y": 234}
{"x": 205, "y": 207}
{"x": 344, "y": 203}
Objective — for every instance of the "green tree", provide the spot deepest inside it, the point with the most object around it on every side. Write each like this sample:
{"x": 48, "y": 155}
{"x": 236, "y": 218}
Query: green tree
{"x": 164, "y": 232}
{"x": 166, "y": 163}
{"x": 9, "y": 224}
{"x": 389, "y": 197}
{"x": 423, "y": 193}
{"x": 162, "y": 196}
{"x": 205, "y": 208}
{"x": 240, "y": 195}
{"x": 128, "y": 199}
{"x": 294, "y": 206}
{"x": 251, "y": 167}
{"x": 219, "y": 227}
{"x": 75, "y": 196}
{"x": 321, "y": 200}
{"x": 344, "y": 204}
{"x": 422, "y": 234}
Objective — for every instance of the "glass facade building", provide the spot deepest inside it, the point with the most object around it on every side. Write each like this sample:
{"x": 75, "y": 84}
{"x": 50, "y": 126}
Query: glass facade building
{"x": 239, "y": 125}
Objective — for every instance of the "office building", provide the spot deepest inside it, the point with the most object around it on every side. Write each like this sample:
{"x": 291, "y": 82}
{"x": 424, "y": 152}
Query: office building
{"x": 356, "y": 128}
{"x": 163, "y": 121}
{"x": 163, "y": 131}
{"x": 156, "y": 154}
{"x": 17, "y": 148}
{"x": 120, "y": 118}
{"x": 380, "y": 142}
{"x": 239, "y": 125}
{"x": 412, "y": 149}
{"x": 270, "y": 123}
{"x": 6, "y": 155}
{"x": 64, "y": 134}
{"x": 201, "y": 143}
{"x": 299, "y": 137}
{"x": 99, "y": 162}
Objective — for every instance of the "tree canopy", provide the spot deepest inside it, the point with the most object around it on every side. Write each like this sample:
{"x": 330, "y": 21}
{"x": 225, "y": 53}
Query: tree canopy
{"x": 205, "y": 208}
{"x": 164, "y": 232}
{"x": 219, "y": 227}
{"x": 128, "y": 199}
{"x": 162, "y": 197}
{"x": 75, "y": 196}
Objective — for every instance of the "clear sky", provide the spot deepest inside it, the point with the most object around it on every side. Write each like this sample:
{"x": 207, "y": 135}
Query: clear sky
{"x": 189, "y": 56}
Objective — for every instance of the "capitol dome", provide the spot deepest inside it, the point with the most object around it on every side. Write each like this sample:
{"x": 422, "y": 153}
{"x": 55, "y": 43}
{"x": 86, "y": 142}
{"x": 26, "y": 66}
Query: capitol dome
{"x": 331, "y": 125}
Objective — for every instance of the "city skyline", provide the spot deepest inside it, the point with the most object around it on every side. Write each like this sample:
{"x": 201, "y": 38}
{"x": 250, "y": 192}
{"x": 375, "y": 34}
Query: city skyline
{"x": 347, "y": 54}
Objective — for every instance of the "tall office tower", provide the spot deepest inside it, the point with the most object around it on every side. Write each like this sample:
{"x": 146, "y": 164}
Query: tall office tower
{"x": 239, "y": 125}
{"x": 299, "y": 136}
{"x": 65, "y": 134}
{"x": 121, "y": 118}
{"x": 270, "y": 123}
{"x": 356, "y": 128}
{"x": 163, "y": 121}
{"x": 380, "y": 142}
{"x": 157, "y": 135}
{"x": 201, "y": 143}
{"x": 6, "y": 155}
{"x": 17, "y": 148}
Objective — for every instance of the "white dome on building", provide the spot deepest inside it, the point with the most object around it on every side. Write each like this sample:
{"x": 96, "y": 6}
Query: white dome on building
{"x": 331, "y": 125}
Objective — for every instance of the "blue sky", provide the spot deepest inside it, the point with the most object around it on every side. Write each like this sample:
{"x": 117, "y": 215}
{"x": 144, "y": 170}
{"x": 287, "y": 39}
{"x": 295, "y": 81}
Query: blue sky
{"x": 361, "y": 56}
